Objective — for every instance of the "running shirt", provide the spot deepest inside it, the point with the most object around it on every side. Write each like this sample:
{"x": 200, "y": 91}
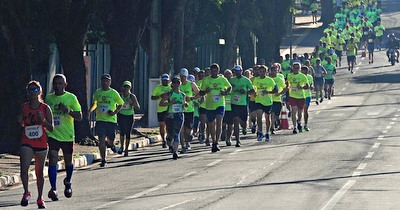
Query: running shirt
{"x": 330, "y": 71}
{"x": 308, "y": 92}
{"x": 127, "y": 108}
{"x": 339, "y": 44}
{"x": 351, "y": 49}
{"x": 314, "y": 7}
{"x": 34, "y": 132}
{"x": 319, "y": 71}
{"x": 214, "y": 99}
{"x": 228, "y": 104}
{"x": 202, "y": 104}
{"x": 379, "y": 30}
{"x": 296, "y": 80}
{"x": 63, "y": 122}
{"x": 238, "y": 84}
{"x": 261, "y": 84}
{"x": 106, "y": 101}
{"x": 188, "y": 91}
{"x": 285, "y": 65}
{"x": 252, "y": 97}
{"x": 158, "y": 91}
{"x": 178, "y": 106}
{"x": 280, "y": 84}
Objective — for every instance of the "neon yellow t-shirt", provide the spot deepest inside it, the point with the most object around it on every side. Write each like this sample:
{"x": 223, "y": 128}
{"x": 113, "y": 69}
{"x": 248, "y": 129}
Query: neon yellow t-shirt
{"x": 127, "y": 108}
{"x": 280, "y": 83}
{"x": 203, "y": 102}
{"x": 252, "y": 97}
{"x": 63, "y": 122}
{"x": 351, "y": 49}
{"x": 178, "y": 106}
{"x": 330, "y": 71}
{"x": 214, "y": 99}
{"x": 379, "y": 30}
{"x": 188, "y": 91}
{"x": 238, "y": 84}
{"x": 158, "y": 91}
{"x": 261, "y": 84}
{"x": 228, "y": 104}
{"x": 106, "y": 101}
{"x": 339, "y": 44}
{"x": 296, "y": 80}
{"x": 310, "y": 79}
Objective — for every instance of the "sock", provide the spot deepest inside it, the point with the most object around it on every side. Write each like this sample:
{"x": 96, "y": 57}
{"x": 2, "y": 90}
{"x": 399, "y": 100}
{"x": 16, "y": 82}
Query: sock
{"x": 53, "y": 177}
{"x": 69, "y": 171}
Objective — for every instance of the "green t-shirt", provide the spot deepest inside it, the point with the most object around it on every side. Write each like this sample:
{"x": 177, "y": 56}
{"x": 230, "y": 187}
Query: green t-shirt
{"x": 379, "y": 30}
{"x": 308, "y": 92}
{"x": 127, "y": 108}
{"x": 339, "y": 44}
{"x": 296, "y": 80}
{"x": 178, "y": 106}
{"x": 285, "y": 65}
{"x": 158, "y": 91}
{"x": 106, "y": 101}
{"x": 188, "y": 91}
{"x": 242, "y": 83}
{"x": 63, "y": 122}
{"x": 280, "y": 83}
{"x": 214, "y": 99}
{"x": 261, "y": 84}
{"x": 330, "y": 71}
{"x": 203, "y": 102}
{"x": 314, "y": 7}
{"x": 351, "y": 49}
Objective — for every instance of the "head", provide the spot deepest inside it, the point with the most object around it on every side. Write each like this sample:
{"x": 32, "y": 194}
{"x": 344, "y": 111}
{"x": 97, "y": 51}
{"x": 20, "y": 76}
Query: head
{"x": 126, "y": 86}
{"x": 201, "y": 74}
{"x": 328, "y": 59}
{"x": 247, "y": 73}
{"x": 273, "y": 71}
{"x": 296, "y": 67}
{"x": 105, "y": 81}
{"x": 294, "y": 55}
{"x": 214, "y": 70}
{"x": 191, "y": 78}
{"x": 237, "y": 70}
{"x": 165, "y": 79}
{"x": 256, "y": 71}
{"x": 263, "y": 70}
{"x": 175, "y": 83}
{"x": 318, "y": 62}
{"x": 228, "y": 74}
{"x": 183, "y": 75}
{"x": 59, "y": 84}
{"x": 207, "y": 71}
{"x": 287, "y": 57}
{"x": 34, "y": 90}
{"x": 304, "y": 70}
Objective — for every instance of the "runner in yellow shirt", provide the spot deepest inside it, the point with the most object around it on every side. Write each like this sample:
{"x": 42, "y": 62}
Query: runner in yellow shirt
{"x": 276, "y": 97}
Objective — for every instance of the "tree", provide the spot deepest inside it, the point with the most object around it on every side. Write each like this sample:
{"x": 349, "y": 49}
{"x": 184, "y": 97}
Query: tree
{"x": 327, "y": 12}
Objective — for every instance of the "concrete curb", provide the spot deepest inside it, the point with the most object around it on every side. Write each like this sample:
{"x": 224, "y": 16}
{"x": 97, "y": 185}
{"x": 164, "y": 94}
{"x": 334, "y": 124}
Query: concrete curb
{"x": 79, "y": 162}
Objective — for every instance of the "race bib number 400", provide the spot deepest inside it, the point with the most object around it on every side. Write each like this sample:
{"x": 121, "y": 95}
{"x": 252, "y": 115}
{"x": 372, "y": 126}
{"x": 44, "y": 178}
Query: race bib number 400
{"x": 34, "y": 131}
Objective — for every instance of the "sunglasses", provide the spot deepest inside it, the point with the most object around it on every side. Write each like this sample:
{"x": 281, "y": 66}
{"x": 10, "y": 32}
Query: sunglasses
{"x": 32, "y": 90}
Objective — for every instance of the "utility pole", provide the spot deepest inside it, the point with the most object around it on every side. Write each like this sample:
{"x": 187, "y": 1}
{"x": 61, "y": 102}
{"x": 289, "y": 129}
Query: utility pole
{"x": 155, "y": 39}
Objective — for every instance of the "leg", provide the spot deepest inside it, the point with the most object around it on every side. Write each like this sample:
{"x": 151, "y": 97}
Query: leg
{"x": 102, "y": 147}
{"x": 40, "y": 158}
{"x": 236, "y": 122}
{"x": 26, "y": 154}
{"x": 218, "y": 127}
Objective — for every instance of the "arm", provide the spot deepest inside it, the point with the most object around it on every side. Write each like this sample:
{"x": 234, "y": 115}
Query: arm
{"x": 135, "y": 102}
{"x": 77, "y": 115}
{"x": 48, "y": 121}
{"x": 91, "y": 109}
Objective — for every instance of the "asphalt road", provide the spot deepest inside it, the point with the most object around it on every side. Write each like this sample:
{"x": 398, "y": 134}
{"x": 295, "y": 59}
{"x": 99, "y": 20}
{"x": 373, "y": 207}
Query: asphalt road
{"x": 349, "y": 159}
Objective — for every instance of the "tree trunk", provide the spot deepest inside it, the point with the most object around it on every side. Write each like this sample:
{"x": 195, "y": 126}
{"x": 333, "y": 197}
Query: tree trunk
{"x": 327, "y": 12}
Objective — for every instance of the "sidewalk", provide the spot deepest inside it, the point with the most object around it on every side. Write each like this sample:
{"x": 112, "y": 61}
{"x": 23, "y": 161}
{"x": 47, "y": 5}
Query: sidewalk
{"x": 83, "y": 156}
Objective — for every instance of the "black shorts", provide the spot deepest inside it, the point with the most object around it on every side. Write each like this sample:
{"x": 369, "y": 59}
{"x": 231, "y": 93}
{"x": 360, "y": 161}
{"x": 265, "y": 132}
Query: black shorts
{"x": 329, "y": 81}
{"x": 265, "y": 109}
{"x": 371, "y": 47}
{"x": 240, "y": 111}
{"x": 106, "y": 129}
{"x": 189, "y": 120}
{"x": 339, "y": 53}
{"x": 351, "y": 58}
{"x": 228, "y": 118}
{"x": 202, "y": 110}
{"x": 66, "y": 147}
{"x": 252, "y": 106}
{"x": 161, "y": 116}
{"x": 276, "y": 108}
{"x": 125, "y": 123}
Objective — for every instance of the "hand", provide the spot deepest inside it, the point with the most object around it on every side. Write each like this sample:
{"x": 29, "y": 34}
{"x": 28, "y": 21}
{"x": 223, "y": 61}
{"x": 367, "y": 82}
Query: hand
{"x": 20, "y": 121}
{"x": 111, "y": 113}
{"x": 41, "y": 116}
{"x": 63, "y": 108}
{"x": 173, "y": 101}
{"x": 264, "y": 92}
{"x": 208, "y": 90}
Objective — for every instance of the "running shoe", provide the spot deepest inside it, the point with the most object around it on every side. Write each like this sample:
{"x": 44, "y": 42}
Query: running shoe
{"x": 113, "y": 148}
{"x": 329, "y": 98}
{"x": 208, "y": 142}
{"x": 120, "y": 151}
{"x": 25, "y": 199}
{"x": 126, "y": 154}
{"x": 273, "y": 131}
{"x": 317, "y": 102}
{"x": 267, "y": 137}
{"x": 40, "y": 204}
{"x": 295, "y": 131}
{"x": 260, "y": 136}
{"x": 183, "y": 150}
{"x": 53, "y": 195}
{"x": 306, "y": 128}
{"x": 103, "y": 163}
{"x": 238, "y": 144}
{"x": 321, "y": 100}
{"x": 253, "y": 128}
{"x": 215, "y": 148}
{"x": 175, "y": 156}
{"x": 244, "y": 131}
{"x": 299, "y": 127}
{"x": 228, "y": 143}
{"x": 188, "y": 147}
{"x": 68, "y": 189}
{"x": 164, "y": 144}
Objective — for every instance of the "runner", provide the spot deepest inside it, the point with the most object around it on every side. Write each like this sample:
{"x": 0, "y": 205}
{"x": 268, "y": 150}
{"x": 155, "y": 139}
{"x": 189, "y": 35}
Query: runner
{"x": 241, "y": 87}
{"x": 319, "y": 75}
{"x": 252, "y": 102}
{"x": 329, "y": 77}
{"x": 277, "y": 97}
{"x": 297, "y": 83}
{"x": 305, "y": 70}
{"x": 190, "y": 89}
{"x": 107, "y": 102}
{"x": 175, "y": 101}
{"x": 371, "y": 45}
{"x": 227, "y": 122}
{"x": 35, "y": 118}
{"x": 379, "y": 30}
{"x": 314, "y": 11}
{"x": 339, "y": 48}
{"x": 157, "y": 94}
{"x": 351, "y": 48}
{"x": 215, "y": 88}
{"x": 203, "y": 126}
{"x": 126, "y": 116}
{"x": 265, "y": 87}
{"x": 66, "y": 108}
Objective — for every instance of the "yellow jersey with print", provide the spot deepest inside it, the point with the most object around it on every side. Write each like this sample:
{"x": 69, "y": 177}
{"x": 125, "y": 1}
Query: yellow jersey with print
{"x": 106, "y": 101}
{"x": 296, "y": 82}
{"x": 158, "y": 91}
{"x": 214, "y": 98}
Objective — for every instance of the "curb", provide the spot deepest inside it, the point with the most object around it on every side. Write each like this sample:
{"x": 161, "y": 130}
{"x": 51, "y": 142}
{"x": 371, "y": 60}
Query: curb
{"x": 79, "y": 162}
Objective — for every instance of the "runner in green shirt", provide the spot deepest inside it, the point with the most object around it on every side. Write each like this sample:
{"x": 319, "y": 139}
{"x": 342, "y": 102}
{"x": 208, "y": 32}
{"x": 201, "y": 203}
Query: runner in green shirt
{"x": 66, "y": 108}
{"x": 379, "y": 30}
{"x": 308, "y": 93}
{"x": 227, "y": 122}
{"x": 314, "y": 10}
{"x": 351, "y": 49}
{"x": 329, "y": 77}
{"x": 277, "y": 97}
{"x": 107, "y": 102}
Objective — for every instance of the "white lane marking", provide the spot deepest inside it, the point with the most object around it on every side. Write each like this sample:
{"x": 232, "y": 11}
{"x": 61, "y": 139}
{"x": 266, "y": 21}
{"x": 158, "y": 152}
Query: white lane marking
{"x": 338, "y": 195}
{"x": 394, "y": 119}
{"x": 391, "y": 123}
{"x": 370, "y": 154}
{"x": 317, "y": 112}
{"x": 388, "y": 127}
{"x": 372, "y": 113}
{"x": 338, "y": 114}
{"x": 343, "y": 89}
{"x": 189, "y": 174}
{"x": 137, "y": 195}
{"x": 376, "y": 145}
{"x": 380, "y": 137}
{"x": 235, "y": 152}
{"x": 396, "y": 115}
{"x": 347, "y": 83}
{"x": 271, "y": 164}
{"x": 214, "y": 163}
{"x": 177, "y": 204}
{"x": 356, "y": 173}
{"x": 384, "y": 131}
{"x": 361, "y": 166}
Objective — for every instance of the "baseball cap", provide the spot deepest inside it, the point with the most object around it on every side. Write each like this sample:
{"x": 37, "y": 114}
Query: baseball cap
{"x": 237, "y": 68}
{"x": 105, "y": 76}
{"x": 196, "y": 69}
{"x": 165, "y": 77}
{"x": 191, "y": 78}
{"x": 184, "y": 72}
{"x": 176, "y": 79}
{"x": 127, "y": 83}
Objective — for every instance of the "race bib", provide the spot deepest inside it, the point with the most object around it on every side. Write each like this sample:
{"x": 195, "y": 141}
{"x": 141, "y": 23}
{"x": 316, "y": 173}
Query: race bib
{"x": 295, "y": 89}
{"x": 370, "y": 40}
{"x": 176, "y": 108}
{"x": 227, "y": 102}
{"x": 126, "y": 105}
{"x": 103, "y": 108}
{"x": 216, "y": 98}
{"x": 34, "y": 131}
{"x": 57, "y": 120}
{"x": 365, "y": 32}
{"x": 236, "y": 98}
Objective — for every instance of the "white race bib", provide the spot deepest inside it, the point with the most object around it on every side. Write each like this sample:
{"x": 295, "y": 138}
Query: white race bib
{"x": 236, "y": 98}
{"x": 103, "y": 108}
{"x": 34, "y": 131}
{"x": 216, "y": 98}
{"x": 365, "y": 32}
{"x": 227, "y": 102}
{"x": 126, "y": 105}
{"x": 176, "y": 108}
{"x": 370, "y": 40}
{"x": 57, "y": 120}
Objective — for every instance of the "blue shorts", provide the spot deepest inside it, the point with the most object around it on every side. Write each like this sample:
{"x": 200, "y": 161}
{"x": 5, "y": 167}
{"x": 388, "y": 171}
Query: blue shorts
{"x": 329, "y": 81}
{"x": 212, "y": 114}
{"x": 106, "y": 129}
{"x": 308, "y": 101}
{"x": 319, "y": 81}
{"x": 276, "y": 108}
